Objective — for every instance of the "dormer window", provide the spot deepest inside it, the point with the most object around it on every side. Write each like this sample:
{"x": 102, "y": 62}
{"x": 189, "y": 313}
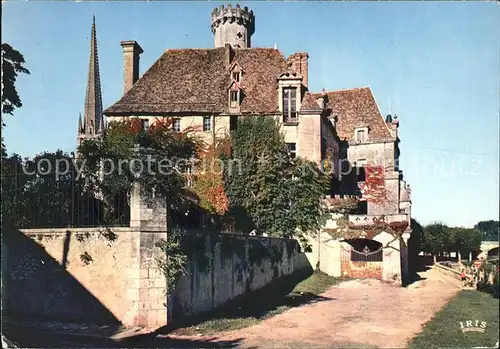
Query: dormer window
{"x": 290, "y": 104}
{"x": 361, "y": 135}
{"x": 236, "y": 76}
{"x": 233, "y": 99}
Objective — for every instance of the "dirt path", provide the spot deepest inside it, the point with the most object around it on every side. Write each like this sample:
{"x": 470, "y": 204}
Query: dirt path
{"x": 358, "y": 313}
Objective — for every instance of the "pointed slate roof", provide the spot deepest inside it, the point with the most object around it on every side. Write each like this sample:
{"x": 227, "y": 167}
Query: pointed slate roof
{"x": 356, "y": 108}
{"x": 93, "y": 122}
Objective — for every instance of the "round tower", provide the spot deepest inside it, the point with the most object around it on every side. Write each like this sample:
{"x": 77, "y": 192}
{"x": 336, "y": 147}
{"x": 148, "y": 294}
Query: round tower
{"x": 233, "y": 26}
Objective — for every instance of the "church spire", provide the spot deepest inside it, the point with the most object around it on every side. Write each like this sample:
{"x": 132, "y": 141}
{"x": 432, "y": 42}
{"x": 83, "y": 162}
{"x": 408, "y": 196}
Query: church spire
{"x": 93, "y": 119}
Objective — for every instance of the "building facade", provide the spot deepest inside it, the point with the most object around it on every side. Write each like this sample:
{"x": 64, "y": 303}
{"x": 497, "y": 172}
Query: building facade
{"x": 209, "y": 89}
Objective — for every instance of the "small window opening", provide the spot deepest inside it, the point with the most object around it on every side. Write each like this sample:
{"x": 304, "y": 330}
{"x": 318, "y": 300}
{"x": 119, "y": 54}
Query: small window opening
{"x": 234, "y": 99}
{"x": 236, "y": 76}
{"x": 292, "y": 149}
{"x": 177, "y": 125}
{"x": 207, "y": 123}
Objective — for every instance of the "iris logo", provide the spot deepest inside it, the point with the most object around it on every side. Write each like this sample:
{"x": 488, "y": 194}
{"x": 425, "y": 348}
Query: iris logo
{"x": 472, "y": 326}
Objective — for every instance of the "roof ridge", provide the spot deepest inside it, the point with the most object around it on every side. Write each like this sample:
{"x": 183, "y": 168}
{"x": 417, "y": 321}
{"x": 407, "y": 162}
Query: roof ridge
{"x": 343, "y": 90}
{"x": 192, "y": 49}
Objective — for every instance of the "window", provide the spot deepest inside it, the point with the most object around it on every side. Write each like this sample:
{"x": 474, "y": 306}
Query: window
{"x": 177, "y": 125}
{"x": 290, "y": 104}
{"x": 233, "y": 122}
{"x": 360, "y": 170}
{"x": 292, "y": 149}
{"x": 361, "y": 135}
{"x": 144, "y": 124}
{"x": 207, "y": 123}
{"x": 236, "y": 76}
{"x": 189, "y": 178}
{"x": 234, "y": 99}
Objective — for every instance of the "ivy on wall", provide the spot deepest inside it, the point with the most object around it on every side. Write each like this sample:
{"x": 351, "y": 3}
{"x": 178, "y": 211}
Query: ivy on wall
{"x": 183, "y": 247}
{"x": 348, "y": 230}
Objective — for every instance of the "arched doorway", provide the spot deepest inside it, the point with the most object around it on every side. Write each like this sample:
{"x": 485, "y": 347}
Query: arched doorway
{"x": 492, "y": 254}
{"x": 361, "y": 258}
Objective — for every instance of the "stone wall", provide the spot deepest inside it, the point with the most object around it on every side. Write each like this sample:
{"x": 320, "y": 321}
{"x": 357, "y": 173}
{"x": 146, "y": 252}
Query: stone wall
{"x": 110, "y": 276}
{"x": 225, "y": 266}
{"x": 325, "y": 253}
{"x": 374, "y": 153}
{"x": 75, "y": 274}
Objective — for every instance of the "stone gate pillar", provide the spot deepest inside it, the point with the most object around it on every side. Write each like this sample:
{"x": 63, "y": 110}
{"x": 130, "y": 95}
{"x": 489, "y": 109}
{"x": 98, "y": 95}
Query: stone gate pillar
{"x": 391, "y": 260}
{"x": 148, "y": 289}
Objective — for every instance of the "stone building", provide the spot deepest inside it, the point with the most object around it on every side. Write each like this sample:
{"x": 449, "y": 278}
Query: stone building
{"x": 210, "y": 88}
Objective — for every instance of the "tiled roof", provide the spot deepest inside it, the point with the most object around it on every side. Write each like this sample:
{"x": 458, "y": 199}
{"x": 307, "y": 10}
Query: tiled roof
{"x": 309, "y": 103}
{"x": 197, "y": 80}
{"x": 355, "y": 108}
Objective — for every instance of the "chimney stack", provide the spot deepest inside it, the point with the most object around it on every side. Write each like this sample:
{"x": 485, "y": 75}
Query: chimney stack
{"x": 131, "y": 53}
{"x": 299, "y": 64}
{"x": 395, "y": 125}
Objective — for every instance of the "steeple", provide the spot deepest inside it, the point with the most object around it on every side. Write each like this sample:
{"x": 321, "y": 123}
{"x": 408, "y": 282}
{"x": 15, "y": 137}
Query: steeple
{"x": 92, "y": 124}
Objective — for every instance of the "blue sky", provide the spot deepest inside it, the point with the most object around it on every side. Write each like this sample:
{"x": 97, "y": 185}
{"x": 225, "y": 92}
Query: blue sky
{"x": 436, "y": 62}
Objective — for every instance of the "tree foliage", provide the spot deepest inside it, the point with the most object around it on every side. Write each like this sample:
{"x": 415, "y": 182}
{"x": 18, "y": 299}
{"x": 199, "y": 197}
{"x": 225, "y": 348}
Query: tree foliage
{"x": 45, "y": 192}
{"x": 490, "y": 229}
{"x": 208, "y": 182}
{"x": 156, "y": 159}
{"x": 439, "y": 238}
{"x": 464, "y": 240}
{"x": 12, "y": 66}
{"x": 267, "y": 189}
{"x": 436, "y": 237}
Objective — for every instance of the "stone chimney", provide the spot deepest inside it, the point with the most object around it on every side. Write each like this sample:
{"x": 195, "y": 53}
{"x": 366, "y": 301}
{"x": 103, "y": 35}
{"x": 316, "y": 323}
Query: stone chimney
{"x": 131, "y": 53}
{"x": 298, "y": 62}
{"x": 394, "y": 125}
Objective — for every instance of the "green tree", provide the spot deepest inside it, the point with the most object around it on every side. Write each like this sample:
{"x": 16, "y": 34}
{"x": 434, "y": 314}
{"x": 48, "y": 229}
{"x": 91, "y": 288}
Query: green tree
{"x": 436, "y": 237}
{"x": 44, "y": 192}
{"x": 267, "y": 189}
{"x": 127, "y": 155}
{"x": 465, "y": 241}
{"x": 12, "y": 65}
{"x": 489, "y": 229}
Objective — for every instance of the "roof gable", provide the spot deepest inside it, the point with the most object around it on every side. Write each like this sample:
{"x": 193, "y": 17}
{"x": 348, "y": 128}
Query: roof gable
{"x": 309, "y": 103}
{"x": 356, "y": 108}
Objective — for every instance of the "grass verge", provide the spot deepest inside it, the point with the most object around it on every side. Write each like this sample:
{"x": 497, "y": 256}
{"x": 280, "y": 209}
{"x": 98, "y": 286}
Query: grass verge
{"x": 444, "y": 330}
{"x": 291, "y": 291}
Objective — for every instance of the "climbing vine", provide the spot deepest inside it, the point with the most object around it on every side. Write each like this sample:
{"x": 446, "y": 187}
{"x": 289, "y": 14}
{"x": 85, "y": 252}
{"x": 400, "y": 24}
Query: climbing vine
{"x": 348, "y": 230}
{"x": 341, "y": 205}
{"x": 208, "y": 179}
{"x": 172, "y": 261}
{"x": 373, "y": 189}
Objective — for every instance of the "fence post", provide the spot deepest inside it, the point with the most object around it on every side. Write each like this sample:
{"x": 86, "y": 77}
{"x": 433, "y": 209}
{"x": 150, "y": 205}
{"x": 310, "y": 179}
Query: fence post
{"x": 73, "y": 206}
